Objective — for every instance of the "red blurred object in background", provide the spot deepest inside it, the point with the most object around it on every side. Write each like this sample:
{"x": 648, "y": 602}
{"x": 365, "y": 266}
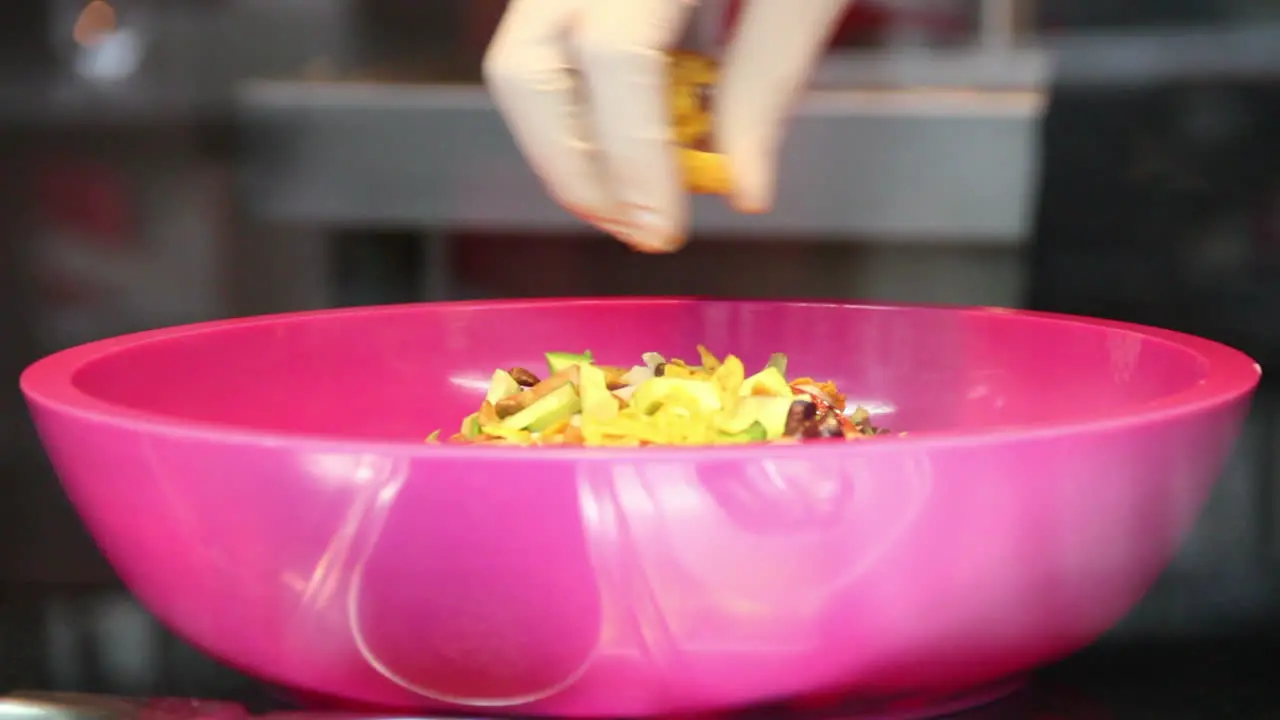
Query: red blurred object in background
{"x": 868, "y": 23}
{"x": 88, "y": 200}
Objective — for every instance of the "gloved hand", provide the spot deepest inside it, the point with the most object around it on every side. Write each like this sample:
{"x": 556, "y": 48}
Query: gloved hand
{"x": 610, "y": 160}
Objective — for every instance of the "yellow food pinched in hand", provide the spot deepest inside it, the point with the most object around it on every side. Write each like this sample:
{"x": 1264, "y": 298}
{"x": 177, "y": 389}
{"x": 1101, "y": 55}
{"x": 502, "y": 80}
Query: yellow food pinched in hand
{"x": 693, "y": 80}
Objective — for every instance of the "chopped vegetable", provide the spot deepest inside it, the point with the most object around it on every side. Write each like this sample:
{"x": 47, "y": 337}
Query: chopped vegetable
{"x": 659, "y": 402}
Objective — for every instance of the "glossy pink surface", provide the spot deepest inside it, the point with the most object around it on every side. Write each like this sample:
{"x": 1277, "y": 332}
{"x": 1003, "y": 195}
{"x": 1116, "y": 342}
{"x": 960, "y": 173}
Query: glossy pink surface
{"x": 261, "y": 485}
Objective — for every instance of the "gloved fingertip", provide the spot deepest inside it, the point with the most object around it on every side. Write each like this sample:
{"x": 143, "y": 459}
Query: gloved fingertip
{"x": 753, "y": 185}
{"x": 749, "y": 205}
{"x": 650, "y": 232}
{"x": 655, "y": 245}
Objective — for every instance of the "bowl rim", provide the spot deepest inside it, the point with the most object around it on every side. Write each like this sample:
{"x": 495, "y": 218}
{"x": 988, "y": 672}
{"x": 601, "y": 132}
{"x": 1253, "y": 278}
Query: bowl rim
{"x": 49, "y": 384}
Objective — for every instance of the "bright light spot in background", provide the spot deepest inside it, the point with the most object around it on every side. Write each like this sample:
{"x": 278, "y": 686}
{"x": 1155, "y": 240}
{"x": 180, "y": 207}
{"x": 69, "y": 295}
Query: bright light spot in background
{"x": 106, "y": 50}
{"x": 96, "y": 22}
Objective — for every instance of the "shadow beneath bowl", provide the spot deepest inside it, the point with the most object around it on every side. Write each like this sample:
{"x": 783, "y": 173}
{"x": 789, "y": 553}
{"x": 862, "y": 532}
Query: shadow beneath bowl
{"x": 994, "y": 701}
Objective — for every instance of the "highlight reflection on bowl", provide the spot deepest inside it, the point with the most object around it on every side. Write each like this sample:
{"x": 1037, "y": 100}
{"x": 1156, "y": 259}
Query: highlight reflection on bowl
{"x": 261, "y": 485}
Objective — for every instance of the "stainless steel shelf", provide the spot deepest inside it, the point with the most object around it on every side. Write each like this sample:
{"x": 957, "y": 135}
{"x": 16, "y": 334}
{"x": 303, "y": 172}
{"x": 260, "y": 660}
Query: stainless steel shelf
{"x": 929, "y": 165}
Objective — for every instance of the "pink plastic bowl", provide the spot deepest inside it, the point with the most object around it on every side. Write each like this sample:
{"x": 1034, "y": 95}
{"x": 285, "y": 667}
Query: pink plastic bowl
{"x": 262, "y": 486}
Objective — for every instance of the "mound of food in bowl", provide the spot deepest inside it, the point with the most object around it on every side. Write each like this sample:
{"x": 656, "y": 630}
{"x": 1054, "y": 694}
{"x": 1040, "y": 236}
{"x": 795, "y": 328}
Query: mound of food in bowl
{"x": 659, "y": 402}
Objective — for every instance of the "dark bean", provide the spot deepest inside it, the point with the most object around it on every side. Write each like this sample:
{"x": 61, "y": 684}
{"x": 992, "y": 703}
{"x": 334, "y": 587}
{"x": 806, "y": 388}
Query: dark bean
{"x": 523, "y": 377}
{"x": 800, "y": 411}
{"x": 510, "y": 405}
{"x": 660, "y": 369}
{"x": 827, "y": 425}
{"x": 831, "y": 430}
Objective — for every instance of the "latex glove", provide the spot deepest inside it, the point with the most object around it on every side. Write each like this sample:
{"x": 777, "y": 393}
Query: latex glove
{"x": 613, "y": 163}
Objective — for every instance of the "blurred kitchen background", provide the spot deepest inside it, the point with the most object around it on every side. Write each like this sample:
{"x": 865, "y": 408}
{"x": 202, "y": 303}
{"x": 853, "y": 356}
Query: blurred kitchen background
{"x": 166, "y": 162}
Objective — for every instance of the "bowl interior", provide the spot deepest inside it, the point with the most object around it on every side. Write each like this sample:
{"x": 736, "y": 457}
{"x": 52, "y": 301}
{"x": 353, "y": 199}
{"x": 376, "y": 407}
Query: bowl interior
{"x": 396, "y": 373}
